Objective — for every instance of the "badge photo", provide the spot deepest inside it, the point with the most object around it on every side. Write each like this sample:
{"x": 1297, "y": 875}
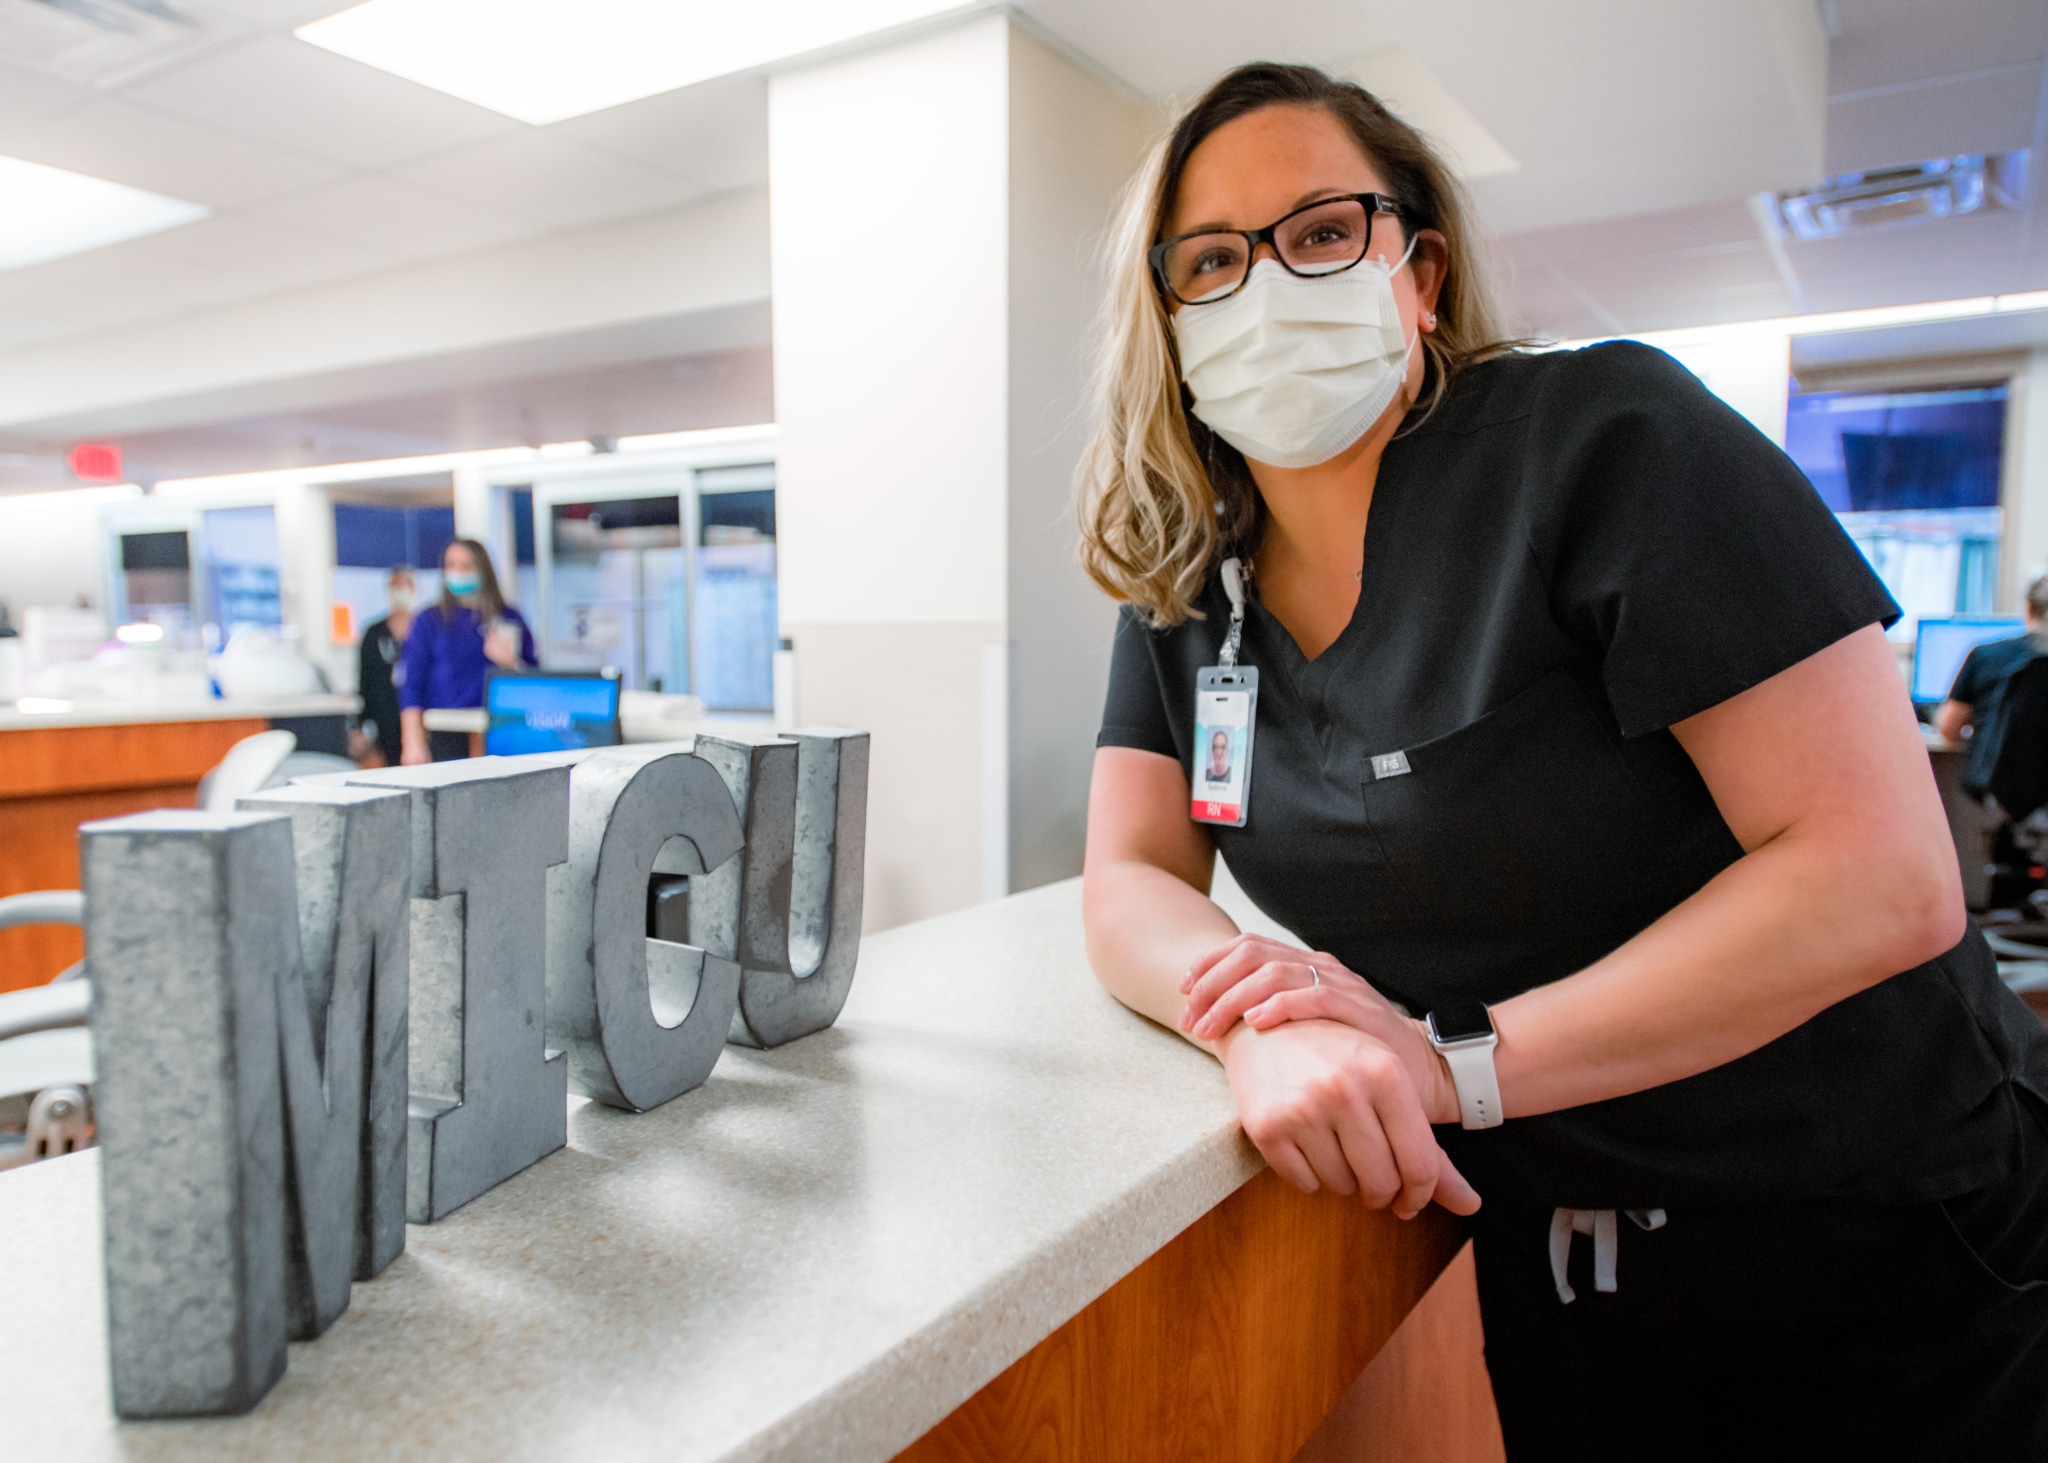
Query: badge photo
{"x": 1225, "y": 697}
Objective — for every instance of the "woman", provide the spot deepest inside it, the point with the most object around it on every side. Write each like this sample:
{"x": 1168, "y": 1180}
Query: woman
{"x": 451, "y": 642}
{"x": 377, "y": 658}
{"x": 1578, "y": 741}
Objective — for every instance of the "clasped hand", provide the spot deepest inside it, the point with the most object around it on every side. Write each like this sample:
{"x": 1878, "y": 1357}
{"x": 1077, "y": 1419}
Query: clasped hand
{"x": 1335, "y": 1086}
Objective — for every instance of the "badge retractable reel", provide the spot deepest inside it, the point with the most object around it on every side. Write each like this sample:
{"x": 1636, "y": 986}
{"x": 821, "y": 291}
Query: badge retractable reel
{"x": 1226, "y": 698}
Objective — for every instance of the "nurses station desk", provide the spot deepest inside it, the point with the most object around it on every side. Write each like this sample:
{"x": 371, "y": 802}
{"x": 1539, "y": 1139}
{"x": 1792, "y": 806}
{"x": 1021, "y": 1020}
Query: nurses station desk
{"x": 989, "y": 1215}
{"x": 62, "y": 768}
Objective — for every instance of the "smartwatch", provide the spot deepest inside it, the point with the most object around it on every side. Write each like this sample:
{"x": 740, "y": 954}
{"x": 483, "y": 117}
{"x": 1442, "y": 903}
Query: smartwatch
{"x": 1463, "y": 1036}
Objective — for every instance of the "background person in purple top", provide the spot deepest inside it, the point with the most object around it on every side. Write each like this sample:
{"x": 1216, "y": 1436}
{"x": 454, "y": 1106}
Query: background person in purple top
{"x": 452, "y": 642}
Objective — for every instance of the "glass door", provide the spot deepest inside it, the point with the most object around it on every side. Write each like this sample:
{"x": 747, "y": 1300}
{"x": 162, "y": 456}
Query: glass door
{"x": 666, "y": 575}
{"x": 734, "y": 638}
{"x": 618, "y": 574}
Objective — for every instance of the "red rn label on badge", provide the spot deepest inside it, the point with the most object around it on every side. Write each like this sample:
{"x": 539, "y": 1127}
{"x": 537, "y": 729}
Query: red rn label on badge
{"x": 1212, "y": 812}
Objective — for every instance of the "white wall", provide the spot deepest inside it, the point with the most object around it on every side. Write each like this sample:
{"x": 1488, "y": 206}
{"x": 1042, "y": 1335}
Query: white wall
{"x": 1073, "y": 144}
{"x": 705, "y": 257}
{"x": 887, "y": 246}
{"x": 934, "y": 207}
{"x": 52, "y": 549}
{"x": 2026, "y": 485}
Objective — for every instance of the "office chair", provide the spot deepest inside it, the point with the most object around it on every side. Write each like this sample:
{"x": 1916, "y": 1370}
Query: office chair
{"x": 266, "y": 759}
{"x": 46, "y": 1056}
{"x": 46, "y": 1070}
{"x": 2018, "y": 775}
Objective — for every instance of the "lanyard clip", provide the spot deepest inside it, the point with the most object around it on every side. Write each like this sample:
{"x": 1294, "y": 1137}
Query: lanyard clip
{"x": 1233, "y": 586}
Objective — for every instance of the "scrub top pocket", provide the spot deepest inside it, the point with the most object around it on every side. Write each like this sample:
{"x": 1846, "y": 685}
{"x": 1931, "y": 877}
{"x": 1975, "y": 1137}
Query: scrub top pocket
{"x": 1522, "y": 832}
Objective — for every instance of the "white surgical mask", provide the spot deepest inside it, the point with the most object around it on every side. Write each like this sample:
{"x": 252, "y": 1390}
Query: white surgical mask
{"x": 1291, "y": 371}
{"x": 401, "y": 596}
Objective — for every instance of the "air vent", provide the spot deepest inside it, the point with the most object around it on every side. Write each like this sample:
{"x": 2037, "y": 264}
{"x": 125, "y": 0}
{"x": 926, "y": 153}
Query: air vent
{"x": 1945, "y": 187}
{"x": 103, "y": 43}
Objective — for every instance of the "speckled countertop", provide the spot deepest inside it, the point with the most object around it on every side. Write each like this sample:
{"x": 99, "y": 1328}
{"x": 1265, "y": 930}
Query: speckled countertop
{"x": 816, "y": 1255}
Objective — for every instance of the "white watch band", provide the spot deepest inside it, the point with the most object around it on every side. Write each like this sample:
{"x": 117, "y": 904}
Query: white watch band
{"x": 1471, "y": 1064}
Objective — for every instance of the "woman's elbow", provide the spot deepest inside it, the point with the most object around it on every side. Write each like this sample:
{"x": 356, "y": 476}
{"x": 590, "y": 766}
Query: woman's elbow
{"x": 1926, "y": 912}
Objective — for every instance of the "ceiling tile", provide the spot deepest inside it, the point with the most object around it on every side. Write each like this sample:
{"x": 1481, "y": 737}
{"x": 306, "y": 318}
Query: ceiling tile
{"x": 279, "y": 15}
{"x": 715, "y": 133}
{"x": 1722, "y": 306}
{"x": 406, "y": 221}
{"x": 1978, "y": 114}
{"x": 1934, "y": 248}
{"x": 25, "y": 96}
{"x": 1886, "y": 42}
{"x": 549, "y": 180}
{"x": 1705, "y": 226}
{"x": 35, "y": 310}
{"x": 286, "y": 92}
{"x": 122, "y": 143}
{"x": 265, "y": 254}
{"x": 1679, "y": 275}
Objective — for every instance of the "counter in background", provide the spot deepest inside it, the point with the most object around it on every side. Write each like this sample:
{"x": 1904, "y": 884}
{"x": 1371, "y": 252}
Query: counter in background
{"x": 644, "y": 716}
{"x": 60, "y": 768}
{"x": 989, "y": 1215}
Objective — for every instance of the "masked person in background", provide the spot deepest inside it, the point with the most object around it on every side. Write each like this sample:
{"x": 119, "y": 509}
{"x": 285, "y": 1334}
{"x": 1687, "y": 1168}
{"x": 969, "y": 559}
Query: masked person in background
{"x": 378, "y": 668}
{"x": 1581, "y": 764}
{"x": 453, "y": 640}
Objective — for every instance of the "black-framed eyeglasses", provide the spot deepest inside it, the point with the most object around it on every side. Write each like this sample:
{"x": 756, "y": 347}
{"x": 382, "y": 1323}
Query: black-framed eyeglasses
{"x": 1324, "y": 237}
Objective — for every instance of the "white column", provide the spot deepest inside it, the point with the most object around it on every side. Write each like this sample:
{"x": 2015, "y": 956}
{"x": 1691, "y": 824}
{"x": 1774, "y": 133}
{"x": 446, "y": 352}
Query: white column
{"x": 927, "y": 373}
{"x": 1073, "y": 145}
{"x": 2025, "y": 480}
{"x": 305, "y": 545}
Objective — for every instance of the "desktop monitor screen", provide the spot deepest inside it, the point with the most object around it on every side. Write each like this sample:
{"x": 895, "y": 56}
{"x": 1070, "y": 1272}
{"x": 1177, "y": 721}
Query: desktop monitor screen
{"x": 534, "y": 711}
{"x": 1941, "y": 645}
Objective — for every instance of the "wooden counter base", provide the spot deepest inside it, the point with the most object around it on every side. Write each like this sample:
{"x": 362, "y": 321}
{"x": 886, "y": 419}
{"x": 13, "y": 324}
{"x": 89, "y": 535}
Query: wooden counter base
{"x": 1230, "y": 1345}
{"x": 54, "y": 778}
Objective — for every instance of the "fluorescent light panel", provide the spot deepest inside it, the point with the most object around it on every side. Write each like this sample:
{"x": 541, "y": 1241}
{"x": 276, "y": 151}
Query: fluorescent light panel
{"x": 47, "y": 213}
{"x": 1840, "y": 320}
{"x": 544, "y": 60}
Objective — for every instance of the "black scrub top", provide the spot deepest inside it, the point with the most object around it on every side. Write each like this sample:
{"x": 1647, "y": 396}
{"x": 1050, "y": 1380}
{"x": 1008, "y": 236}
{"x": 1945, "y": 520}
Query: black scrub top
{"x": 377, "y": 669}
{"x": 1980, "y": 685}
{"x": 1574, "y": 551}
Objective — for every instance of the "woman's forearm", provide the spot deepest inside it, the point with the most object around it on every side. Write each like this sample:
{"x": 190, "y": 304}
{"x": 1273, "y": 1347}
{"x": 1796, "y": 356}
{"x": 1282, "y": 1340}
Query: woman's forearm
{"x": 1145, "y": 928}
{"x": 1779, "y": 936}
{"x": 1850, "y": 877}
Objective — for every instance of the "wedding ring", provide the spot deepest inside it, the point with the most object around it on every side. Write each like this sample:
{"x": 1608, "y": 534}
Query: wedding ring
{"x": 1315, "y": 975}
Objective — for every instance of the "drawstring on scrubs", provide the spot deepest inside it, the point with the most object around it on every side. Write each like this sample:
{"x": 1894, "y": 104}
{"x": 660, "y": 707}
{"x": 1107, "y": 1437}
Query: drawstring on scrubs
{"x": 1600, "y": 1224}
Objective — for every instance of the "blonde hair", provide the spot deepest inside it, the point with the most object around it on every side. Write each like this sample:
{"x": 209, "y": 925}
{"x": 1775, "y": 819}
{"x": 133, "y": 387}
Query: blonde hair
{"x": 1161, "y": 497}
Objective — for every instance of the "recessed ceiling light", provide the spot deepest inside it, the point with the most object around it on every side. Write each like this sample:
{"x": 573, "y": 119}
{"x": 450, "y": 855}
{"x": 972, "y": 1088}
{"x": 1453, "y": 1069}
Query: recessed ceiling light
{"x": 47, "y": 213}
{"x": 544, "y": 60}
{"x": 1943, "y": 187}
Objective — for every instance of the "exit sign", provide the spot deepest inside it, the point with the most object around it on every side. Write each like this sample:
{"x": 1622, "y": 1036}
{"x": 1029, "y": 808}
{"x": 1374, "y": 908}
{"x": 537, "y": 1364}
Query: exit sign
{"x": 96, "y": 462}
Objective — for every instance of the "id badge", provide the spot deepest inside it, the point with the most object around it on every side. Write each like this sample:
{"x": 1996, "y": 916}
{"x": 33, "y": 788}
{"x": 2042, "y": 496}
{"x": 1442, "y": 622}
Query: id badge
{"x": 1226, "y": 703}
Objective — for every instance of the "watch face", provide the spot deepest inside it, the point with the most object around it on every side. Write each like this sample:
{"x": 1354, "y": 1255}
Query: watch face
{"x": 1460, "y": 1021}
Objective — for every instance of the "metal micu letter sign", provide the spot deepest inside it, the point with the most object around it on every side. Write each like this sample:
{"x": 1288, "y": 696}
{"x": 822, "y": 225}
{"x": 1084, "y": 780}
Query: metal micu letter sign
{"x": 362, "y": 1000}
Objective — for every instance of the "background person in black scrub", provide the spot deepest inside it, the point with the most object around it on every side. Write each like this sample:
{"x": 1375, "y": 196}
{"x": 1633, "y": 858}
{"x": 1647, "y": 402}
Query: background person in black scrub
{"x": 1661, "y": 809}
{"x": 1973, "y": 700}
{"x": 377, "y": 666}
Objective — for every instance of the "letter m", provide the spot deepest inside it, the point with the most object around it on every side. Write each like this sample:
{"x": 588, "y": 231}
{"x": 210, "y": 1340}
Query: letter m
{"x": 249, "y": 978}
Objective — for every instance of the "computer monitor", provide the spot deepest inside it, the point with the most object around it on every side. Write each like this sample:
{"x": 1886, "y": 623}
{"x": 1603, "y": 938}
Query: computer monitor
{"x": 1941, "y": 645}
{"x": 549, "y": 711}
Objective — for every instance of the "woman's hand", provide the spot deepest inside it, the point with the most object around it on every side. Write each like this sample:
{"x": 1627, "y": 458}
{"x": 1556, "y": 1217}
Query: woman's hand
{"x": 501, "y": 645}
{"x": 1265, "y": 983}
{"x": 1331, "y": 1107}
